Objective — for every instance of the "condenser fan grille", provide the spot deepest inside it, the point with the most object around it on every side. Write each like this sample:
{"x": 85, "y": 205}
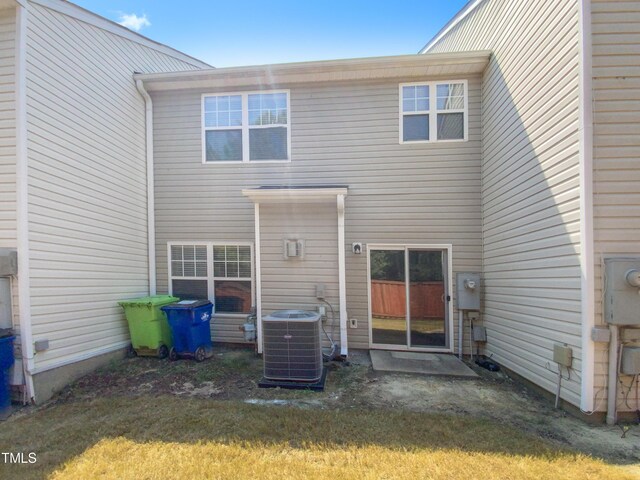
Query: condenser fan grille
{"x": 292, "y": 348}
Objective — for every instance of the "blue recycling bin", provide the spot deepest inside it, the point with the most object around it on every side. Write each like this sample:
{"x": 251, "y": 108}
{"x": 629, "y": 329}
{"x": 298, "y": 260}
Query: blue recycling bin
{"x": 6, "y": 362}
{"x": 189, "y": 321}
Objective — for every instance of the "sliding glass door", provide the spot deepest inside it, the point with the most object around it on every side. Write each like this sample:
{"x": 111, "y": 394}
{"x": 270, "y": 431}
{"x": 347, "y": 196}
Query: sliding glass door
{"x": 409, "y": 297}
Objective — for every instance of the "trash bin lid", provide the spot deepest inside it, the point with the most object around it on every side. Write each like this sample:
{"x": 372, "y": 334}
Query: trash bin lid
{"x": 187, "y": 304}
{"x": 155, "y": 300}
{"x": 6, "y": 332}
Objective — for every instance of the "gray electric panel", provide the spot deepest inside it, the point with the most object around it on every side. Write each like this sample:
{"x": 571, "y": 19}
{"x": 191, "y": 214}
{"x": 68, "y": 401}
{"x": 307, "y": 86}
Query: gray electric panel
{"x": 621, "y": 296}
{"x": 468, "y": 291}
{"x": 5, "y": 303}
{"x": 630, "y": 361}
{"x": 8, "y": 262}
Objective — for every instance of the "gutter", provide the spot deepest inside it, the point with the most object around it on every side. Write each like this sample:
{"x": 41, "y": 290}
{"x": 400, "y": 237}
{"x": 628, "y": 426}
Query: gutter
{"x": 22, "y": 197}
{"x": 587, "y": 278}
{"x": 366, "y": 69}
{"x": 151, "y": 222}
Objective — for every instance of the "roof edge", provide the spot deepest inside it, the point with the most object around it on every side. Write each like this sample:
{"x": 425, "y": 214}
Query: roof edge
{"x": 79, "y": 13}
{"x": 311, "y": 194}
{"x": 452, "y": 58}
{"x": 457, "y": 18}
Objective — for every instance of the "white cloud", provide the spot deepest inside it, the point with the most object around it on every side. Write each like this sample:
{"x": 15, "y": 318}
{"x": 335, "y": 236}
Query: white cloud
{"x": 134, "y": 22}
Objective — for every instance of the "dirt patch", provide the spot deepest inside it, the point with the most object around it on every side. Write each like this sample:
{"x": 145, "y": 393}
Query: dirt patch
{"x": 234, "y": 373}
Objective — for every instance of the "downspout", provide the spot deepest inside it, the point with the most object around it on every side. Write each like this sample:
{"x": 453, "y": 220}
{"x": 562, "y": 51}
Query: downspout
{"x": 151, "y": 222}
{"x": 612, "y": 383}
{"x": 22, "y": 196}
{"x": 587, "y": 281}
{"x": 258, "y": 260}
{"x": 342, "y": 279}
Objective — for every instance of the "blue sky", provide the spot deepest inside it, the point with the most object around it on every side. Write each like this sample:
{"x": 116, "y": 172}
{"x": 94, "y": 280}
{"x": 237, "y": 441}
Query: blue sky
{"x": 238, "y": 32}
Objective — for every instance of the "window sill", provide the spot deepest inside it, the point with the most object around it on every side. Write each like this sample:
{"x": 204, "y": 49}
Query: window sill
{"x": 239, "y": 162}
{"x": 422, "y": 142}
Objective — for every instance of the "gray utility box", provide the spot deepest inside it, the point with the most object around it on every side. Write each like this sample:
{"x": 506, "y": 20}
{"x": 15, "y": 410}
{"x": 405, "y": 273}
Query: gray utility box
{"x": 6, "y": 320}
{"x": 621, "y": 297}
{"x": 630, "y": 361}
{"x": 468, "y": 291}
{"x": 8, "y": 262}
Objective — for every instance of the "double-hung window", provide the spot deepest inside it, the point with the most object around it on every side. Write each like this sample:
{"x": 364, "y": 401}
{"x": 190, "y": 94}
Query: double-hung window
{"x": 246, "y": 127}
{"x": 220, "y": 272}
{"x": 433, "y": 111}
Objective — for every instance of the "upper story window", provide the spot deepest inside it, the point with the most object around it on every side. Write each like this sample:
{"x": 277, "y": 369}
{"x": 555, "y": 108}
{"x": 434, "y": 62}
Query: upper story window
{"x": 246, "y": 127}
{"x": 433, "y": 111}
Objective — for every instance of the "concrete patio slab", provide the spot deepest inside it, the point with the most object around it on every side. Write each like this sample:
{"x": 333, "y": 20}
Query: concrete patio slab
{"x": 415, "y": 362}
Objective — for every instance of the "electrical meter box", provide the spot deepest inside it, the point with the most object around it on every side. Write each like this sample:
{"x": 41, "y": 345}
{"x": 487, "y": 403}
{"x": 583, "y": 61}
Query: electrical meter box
{"x": 622, "y": 291}
{"x": 630, "y": 361}
{"x": 8, "y": 262}
{"x": 468, "y": 291}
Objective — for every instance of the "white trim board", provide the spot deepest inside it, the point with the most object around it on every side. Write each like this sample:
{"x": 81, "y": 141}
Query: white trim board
{"x": 22, "y": 198}
{"x": 402, "y": 67}
{"x": 587, "y": 267}
{"x": 82, "y": 357}
{"x": 302, "y": 195}
{"x": 448, "y": 248}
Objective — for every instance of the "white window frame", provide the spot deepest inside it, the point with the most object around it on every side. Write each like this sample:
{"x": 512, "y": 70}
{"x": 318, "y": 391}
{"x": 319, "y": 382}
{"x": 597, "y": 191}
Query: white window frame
{"x": 448, "y": 282}
{"x": 245, "y": 127}
{"x": 433, "y": 112}
{"x": 210, "y": 277}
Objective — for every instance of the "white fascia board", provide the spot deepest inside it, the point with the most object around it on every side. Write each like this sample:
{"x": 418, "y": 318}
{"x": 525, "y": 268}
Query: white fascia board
{"x": 436, "y": 65}
{"x": 451, "y": 24}
{"x": 74, "y": 11}
{"x": 286, "y": 195}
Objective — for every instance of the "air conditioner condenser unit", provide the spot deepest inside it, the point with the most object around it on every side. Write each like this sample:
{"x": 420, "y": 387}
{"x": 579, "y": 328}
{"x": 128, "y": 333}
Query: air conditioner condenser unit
{"x": 292, "y": 346}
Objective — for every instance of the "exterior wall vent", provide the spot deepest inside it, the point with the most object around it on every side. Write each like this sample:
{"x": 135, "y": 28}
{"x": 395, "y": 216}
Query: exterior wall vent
{"x": 293, "y": 248}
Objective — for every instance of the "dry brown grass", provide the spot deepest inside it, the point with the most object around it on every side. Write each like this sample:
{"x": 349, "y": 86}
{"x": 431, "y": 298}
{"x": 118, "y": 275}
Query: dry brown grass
{"x": 121, "y": 458}
{"x": 168, "y": 437}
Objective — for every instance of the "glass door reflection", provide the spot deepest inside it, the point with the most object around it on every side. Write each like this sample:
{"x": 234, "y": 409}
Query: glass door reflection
{"x": 427, "y": 317}
{"x": 388, "y": 297}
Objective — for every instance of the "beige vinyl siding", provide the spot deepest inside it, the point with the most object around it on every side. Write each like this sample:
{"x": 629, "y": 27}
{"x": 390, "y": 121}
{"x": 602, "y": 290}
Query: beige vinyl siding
{"x": 341, "y": 134}
{"x": 8, "y": 143}
{"x": 7, "y": 129}
{"x": 87, "y": 182}
{"x": 530, "y": 191}
{"x": 290, "y": 283}
{"x": 616, "y": 150}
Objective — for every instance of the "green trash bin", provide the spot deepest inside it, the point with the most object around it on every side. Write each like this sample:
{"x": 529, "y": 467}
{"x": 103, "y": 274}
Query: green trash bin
{"x": 150, "y": 332}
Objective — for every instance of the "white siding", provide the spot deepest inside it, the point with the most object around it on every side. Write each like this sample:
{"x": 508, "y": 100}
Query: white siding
{"x": 530, "y": 182}
{"x": 87, "y": 182}
{"x": 616, "y": 101}
{"x": 8, "y": 142}
{"x": 290, "y": 283}
{"x": 345, "y": 134}
{"x": 7, "y": 130}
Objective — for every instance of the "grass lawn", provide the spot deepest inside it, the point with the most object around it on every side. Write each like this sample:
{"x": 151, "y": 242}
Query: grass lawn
{"x": 166, "y": 437}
